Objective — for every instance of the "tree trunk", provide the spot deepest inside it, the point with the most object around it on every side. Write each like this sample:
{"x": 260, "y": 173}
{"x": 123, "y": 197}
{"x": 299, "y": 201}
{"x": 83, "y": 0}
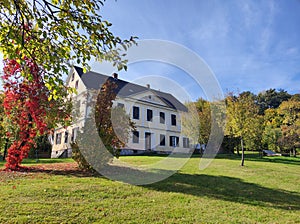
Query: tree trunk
{"x": 243, "y": 153}
{"x": 294, "y": 150}
{"x": 260, "y": 153}
{"x": 5, "y": 149}
{"x": 238, "y": 150}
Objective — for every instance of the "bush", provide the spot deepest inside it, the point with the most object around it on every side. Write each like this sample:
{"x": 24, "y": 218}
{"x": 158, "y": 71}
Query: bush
{"x": 79, "y": 158}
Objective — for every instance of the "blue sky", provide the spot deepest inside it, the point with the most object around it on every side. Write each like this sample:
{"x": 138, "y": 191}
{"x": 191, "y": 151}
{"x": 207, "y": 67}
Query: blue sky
{"x": 249, "y": 45}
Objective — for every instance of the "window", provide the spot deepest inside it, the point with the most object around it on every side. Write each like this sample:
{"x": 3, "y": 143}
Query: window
{"x": 136, "y": 113}
{"x": 51, "y": 138}
{"x": 58, "y": 138}
{"x": 66, "y": 136}
{"x": 73, "y": 76}
{"x": 74, "y": 134}
{"x": 162, "y": 140}
{"x": 120, "y": 105}
{"x": 76, "y": 84}
{"x": 135, "y": 137}
{"x": 149, "y": 115}
{"x": 186, "y": 142}
{"x": 174, "y": 141}
{"x": 173, "y": 119}
{"x": 162, "y": 117}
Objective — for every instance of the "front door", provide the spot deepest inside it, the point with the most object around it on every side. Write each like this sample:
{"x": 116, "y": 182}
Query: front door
{"x": 148, "y": 141}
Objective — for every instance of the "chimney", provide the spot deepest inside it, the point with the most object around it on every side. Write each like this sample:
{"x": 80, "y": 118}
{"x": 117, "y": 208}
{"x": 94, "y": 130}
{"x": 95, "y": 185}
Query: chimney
{"x": 115, "y": 75}
{"x": 148, "y": 86}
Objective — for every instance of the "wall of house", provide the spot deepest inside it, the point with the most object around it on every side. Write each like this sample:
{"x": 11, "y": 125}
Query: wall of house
{"x": 154, "y": 127}
{"x": 63, "y": 136}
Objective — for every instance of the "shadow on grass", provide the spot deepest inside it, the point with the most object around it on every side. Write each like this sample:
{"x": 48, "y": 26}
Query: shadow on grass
{"x": 201, "y": 185}
{"x": 70, "y": 173}
{"x": 228, "y": 189}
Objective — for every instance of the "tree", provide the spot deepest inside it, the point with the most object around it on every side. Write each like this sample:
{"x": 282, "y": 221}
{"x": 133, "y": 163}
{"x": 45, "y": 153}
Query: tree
{"x": 290, "y": 113}
{"x": 243, "y": 121}
{"x": 196, "y": 123}
{"x": 272, "y": 130}
{"x": 296, "y": 97}
{"x": 290, "y": 139}
{"x": 204, "y": 114}
{"x": 271, "y": 137}
{"x": 112, "y": 123}
{"x": 2, "y": 127}
{"x": 271, "y": 99}
{"x": 113, "y": 128}
{"x": 254, "y": 130}
{"x": 26, "y": 105}
{"x": 190, "y": 123}
{"x": 55, "y": 34}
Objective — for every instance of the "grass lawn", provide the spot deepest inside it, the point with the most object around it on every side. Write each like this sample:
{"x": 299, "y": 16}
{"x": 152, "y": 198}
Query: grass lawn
{"x": 266, "y": 190}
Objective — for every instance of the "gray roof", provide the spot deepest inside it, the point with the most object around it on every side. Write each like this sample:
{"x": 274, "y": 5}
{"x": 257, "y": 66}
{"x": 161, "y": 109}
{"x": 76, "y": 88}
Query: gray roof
{"x": 93, "y": 80}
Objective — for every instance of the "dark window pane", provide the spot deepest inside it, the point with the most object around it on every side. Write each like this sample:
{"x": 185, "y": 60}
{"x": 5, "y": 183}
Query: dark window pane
{"x": 162, "y": 140}
{"x": 136, "y": 113}
{"x": 135, "y": 137}
{"x": 174, "y": 141}
{"x": 173, "y": 119}
{"x": 162, "y": 117}
{"x": 66, "y": 136}
{"x": 149, "y": 115}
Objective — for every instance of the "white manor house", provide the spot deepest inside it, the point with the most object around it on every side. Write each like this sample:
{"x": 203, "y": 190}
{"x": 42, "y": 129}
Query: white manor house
{"x": 156, "y": 115}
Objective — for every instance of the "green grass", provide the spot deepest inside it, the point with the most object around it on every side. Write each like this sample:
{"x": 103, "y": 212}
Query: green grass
{"x": 266, "y": 190}
{"x": 30, "y": 162}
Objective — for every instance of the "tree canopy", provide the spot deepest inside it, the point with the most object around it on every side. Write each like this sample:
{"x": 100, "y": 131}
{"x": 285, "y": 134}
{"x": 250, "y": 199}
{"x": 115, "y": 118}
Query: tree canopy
{"x": 39, "y": 40}
{"x": 56, "y": 34}
{"x": 271, "y": 98}
{"x": 269, "y": 120}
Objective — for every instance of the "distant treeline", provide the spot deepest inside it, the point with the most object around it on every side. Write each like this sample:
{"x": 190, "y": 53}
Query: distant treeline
{"x": 268, "y": 120}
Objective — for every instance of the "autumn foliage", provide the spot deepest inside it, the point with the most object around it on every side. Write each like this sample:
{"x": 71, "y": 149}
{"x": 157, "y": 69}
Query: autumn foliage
{"x": 23, "y": 107}
{"x": 113, "y": 128}
{"x": 26, "y": 106}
